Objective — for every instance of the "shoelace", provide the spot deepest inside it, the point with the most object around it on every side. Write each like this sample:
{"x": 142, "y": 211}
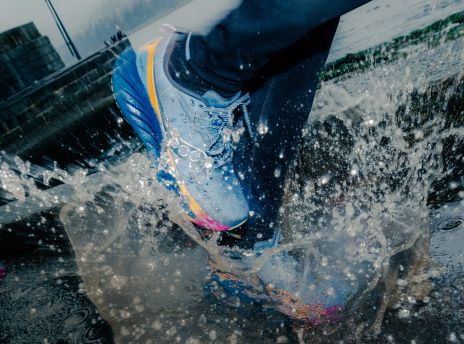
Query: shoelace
{"x": 222, "y": 121}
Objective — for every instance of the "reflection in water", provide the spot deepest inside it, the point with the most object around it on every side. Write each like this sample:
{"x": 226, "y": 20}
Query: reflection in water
{"x": 41, "y": 303}
{"x": 447, "y": 226}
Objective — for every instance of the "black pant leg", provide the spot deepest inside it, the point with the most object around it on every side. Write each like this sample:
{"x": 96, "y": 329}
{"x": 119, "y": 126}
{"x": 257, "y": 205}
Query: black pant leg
{"x": 244, "y": 41}
{"x": 282, "y": 95}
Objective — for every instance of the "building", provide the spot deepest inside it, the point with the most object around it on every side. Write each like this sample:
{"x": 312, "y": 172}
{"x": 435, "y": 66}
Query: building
{"x": 25, "y": 58}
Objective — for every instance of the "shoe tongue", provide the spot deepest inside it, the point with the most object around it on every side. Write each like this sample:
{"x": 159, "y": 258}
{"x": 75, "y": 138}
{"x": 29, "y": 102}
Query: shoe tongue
{"x": 212, "y": 98}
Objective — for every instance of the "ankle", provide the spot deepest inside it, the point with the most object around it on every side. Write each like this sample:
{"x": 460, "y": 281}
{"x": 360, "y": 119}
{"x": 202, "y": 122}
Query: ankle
{"x": 185, "y": 76}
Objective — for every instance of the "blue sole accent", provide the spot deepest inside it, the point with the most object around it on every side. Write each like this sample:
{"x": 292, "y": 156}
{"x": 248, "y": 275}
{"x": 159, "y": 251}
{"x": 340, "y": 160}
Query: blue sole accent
{"x": 134, "y": 102}
{"x": 237, "y": 288}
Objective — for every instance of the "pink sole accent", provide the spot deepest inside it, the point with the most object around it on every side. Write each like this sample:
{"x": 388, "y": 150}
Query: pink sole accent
{"x": 208, "y": 223}
{"x": 330, "y": 314}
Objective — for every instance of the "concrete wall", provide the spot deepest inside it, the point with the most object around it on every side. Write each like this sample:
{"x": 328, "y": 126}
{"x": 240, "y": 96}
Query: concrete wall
{"x": 25, "y": 58}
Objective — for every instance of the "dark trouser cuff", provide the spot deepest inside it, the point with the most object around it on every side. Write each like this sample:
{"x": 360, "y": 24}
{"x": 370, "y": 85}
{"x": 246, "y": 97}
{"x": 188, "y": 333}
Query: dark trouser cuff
{"x": 189, "y": 76}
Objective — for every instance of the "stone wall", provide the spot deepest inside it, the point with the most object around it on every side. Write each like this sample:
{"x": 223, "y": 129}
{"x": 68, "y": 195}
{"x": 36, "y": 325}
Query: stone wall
{"x": 25, "y": 58}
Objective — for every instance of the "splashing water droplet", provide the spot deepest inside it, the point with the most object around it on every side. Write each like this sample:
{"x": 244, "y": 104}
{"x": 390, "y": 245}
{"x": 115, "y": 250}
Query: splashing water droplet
{"x": 209, "y": 163}
{"x": 262, "y": 129}
{"x": 325, "y": 179}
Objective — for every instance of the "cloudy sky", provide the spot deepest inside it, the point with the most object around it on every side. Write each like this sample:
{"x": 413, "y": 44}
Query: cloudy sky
{"x": 74, "y": 14}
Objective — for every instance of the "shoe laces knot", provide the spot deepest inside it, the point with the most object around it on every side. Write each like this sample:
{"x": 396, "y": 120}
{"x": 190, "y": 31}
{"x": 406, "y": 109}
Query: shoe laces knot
{"x": 221, "y": 127}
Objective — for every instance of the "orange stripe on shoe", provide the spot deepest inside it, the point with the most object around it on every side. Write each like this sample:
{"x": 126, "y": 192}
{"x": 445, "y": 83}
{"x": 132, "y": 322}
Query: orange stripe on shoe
{"x": 151, "y": 47}
{"x": 193, "y": 204}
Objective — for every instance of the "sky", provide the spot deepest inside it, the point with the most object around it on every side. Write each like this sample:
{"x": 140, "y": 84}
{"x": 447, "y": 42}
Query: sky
{"x": 73, "y": 13}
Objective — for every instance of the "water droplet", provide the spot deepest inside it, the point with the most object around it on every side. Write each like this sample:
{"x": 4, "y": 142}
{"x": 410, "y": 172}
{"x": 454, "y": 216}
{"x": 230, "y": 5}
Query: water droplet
{"x": 411, "y": 300}
{"x": 227, "y": 136}
{"x": 156, "y": 325}
{"x": 118, "y": 281}
{"x": 171, "y": 332}
{"x": 418, "y": 134}
{"x": 325, "y": 179}
{"x": 262, "y": 129}
{"x": 209, "y": 163}
{"x": 404, "y": 313}
{"x": 212, "y": 335}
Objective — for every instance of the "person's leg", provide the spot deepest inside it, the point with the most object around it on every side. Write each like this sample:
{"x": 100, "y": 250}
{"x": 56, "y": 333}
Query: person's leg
{"x": 281, "y": 99}
{"x": 244, "y": 41}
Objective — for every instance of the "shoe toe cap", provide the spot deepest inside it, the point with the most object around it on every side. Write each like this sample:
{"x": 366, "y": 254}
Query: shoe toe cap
{"x": 223, "y": 210}
{"x": 233, "y": 212}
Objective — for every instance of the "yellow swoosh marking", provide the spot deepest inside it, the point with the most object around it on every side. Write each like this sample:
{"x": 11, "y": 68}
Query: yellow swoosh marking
{"x": 151, "y": 47}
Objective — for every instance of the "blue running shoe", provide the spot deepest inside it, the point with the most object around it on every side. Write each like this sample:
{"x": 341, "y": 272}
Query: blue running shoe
{"x": 189, "y": 137}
